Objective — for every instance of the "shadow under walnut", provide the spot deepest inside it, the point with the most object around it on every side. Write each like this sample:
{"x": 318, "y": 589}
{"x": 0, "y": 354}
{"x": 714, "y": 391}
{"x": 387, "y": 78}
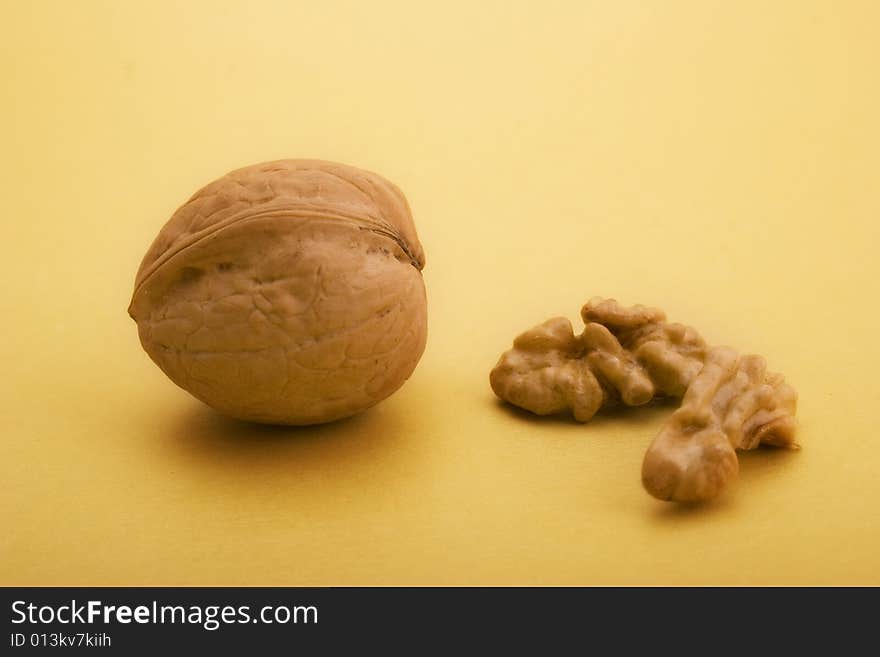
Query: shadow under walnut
{"x": 627, "y": 356}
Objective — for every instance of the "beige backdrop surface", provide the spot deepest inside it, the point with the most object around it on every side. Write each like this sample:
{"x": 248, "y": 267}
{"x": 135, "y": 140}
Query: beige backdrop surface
{"x": 717, "y": 159}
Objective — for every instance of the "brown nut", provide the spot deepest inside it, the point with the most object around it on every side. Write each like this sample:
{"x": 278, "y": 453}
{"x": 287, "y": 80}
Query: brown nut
{"x": 625, "y": 355}
{"x": 630, "y": 354}
{"x": 733, "y": 403}
{"x": 287, "y": 292}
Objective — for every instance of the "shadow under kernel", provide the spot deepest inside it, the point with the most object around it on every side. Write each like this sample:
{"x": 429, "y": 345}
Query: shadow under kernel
{"x": 648, "y": 414}
{"x": 755, "y": 466}
{"x": 764, "y": 462}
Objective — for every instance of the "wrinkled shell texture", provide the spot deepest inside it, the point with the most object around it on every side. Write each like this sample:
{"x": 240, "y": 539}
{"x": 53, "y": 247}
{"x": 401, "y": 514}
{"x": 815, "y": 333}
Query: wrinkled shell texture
{"x": 288, "y": 292}
{"x": 626, "y": 356}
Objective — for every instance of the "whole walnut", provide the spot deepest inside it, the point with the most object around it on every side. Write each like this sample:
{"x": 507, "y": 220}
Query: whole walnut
{"x": 288, "y": 292}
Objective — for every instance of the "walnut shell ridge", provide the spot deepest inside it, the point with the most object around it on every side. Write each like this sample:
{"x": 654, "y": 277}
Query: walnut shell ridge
{"x": 287, "y": 292}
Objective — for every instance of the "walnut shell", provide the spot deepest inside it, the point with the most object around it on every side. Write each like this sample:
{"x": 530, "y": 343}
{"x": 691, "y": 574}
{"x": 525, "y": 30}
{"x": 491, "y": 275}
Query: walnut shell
{"x": 287, "y": 292}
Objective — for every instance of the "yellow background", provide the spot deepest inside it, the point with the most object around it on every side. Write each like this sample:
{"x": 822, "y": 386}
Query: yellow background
{"x": 717, "y": 159}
